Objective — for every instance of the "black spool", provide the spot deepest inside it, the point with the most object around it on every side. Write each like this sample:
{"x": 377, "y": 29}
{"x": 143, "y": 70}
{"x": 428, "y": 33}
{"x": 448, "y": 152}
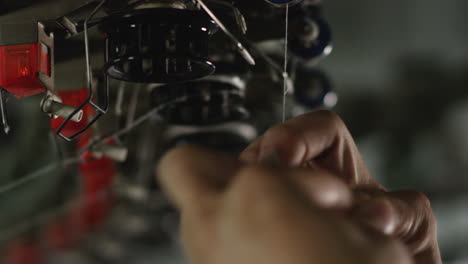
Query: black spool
{"x": 158, "y": 45}
{"x": 313, "y": 89}
{"x": 200, "y": 103}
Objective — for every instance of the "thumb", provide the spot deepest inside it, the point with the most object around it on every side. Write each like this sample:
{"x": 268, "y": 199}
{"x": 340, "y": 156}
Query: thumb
{"x": 406, "y": 215}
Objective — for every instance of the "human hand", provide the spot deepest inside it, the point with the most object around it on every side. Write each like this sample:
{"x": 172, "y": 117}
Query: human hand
{"x": 232, "y": 213}
{"x": 320, "y": 140}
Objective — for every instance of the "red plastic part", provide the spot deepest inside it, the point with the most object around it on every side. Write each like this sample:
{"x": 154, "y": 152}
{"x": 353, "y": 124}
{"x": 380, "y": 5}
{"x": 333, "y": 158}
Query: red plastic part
{"x": 97, "y": 178}
{"x": 19, "y": 68}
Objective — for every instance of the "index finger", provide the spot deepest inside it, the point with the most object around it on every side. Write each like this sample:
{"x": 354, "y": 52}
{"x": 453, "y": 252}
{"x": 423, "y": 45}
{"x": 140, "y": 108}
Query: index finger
{"x": 317, "y": 138}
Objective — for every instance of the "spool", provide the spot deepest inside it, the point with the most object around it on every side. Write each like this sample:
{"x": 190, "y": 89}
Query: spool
{"x": 310, "y": 37}
{"x": 313, "y": 89}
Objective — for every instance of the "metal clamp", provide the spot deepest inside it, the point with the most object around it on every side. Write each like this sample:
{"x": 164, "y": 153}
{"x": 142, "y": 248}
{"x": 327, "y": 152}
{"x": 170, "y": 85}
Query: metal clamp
{"x": 100, "y": 110}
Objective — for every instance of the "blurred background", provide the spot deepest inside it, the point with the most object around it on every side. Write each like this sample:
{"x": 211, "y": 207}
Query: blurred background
{"x": 399, "y": 70}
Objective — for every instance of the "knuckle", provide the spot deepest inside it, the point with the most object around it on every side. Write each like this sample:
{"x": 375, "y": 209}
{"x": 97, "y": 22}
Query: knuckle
{"x": 430, "y": 217}
{"x": 424, "y": 203}
{"x": 422, "y": 199}
{"x": 424, "y": 229}
{"x": 287, "y": 141}
{"x": 280, "y": 132}
{"x": 331, "y": 117}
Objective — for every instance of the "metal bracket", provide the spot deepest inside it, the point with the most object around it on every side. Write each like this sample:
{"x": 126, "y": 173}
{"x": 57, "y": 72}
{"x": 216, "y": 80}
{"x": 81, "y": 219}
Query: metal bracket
{"x": 89, "y": 77}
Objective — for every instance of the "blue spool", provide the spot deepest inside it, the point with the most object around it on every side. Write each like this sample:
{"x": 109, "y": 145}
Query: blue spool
{"x": 321, "y": 46}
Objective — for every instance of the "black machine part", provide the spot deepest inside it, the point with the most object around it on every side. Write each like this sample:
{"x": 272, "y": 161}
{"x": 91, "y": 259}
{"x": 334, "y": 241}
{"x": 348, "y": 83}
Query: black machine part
{"x": 158, "y": 45}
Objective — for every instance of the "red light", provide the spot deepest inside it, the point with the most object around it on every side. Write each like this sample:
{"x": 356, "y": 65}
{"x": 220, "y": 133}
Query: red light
{"x": 19, "y": 68}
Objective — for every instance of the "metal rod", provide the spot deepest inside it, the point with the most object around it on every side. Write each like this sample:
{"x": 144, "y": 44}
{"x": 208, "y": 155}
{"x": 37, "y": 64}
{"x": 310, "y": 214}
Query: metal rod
{"x": 89, "y": 77}
{"x": 285, "y": 71}
{"x": 240, "y": 47}
{"x": 240, "y": 19}
{"x": 62, "y": 110}
{"x": 132, "y": 107}
{"x": 120, "y": 98}
{"x": 88, "y": 100}
{"x": 6, "y": 127}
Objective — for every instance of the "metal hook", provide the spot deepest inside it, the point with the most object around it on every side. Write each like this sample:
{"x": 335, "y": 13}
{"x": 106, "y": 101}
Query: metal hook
{"x": 240, "y": 47}
{"x": 89, "y": 78}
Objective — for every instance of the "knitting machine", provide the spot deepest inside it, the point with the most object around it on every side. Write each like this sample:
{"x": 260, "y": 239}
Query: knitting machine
{"x": 122, "y": 81}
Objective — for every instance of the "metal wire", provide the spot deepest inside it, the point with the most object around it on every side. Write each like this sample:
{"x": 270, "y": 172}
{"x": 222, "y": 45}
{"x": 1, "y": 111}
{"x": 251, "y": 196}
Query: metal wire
{"x": 89, "y": 79}
{"x": 49, "y": 214}
{"x": 240, "y": 47}
{"x": 285, "y": 71}
{"x": 6, "y": 127}
{"x": 44, "y": 171}
{"x": 154, "y": 113}
{"x": 240, "y": 19}
{"x": 45, "y": 217}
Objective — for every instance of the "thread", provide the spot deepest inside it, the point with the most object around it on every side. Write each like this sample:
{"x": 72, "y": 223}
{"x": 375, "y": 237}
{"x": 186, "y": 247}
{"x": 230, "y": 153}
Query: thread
{"x": 285, "y": 70}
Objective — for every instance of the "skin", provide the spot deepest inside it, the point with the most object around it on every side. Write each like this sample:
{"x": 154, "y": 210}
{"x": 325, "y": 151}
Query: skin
{"x": 299, "y": 194}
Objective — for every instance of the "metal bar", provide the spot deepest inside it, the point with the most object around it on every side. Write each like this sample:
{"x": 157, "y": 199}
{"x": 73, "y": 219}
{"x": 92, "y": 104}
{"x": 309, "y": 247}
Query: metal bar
{"x": 240, "y": 47}
{"x": 6, "y": 127}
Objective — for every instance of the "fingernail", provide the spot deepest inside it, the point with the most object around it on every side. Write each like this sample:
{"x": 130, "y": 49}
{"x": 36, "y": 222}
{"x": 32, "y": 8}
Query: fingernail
{"x": 269, "y": 156}
{"x": 377, "y": 215}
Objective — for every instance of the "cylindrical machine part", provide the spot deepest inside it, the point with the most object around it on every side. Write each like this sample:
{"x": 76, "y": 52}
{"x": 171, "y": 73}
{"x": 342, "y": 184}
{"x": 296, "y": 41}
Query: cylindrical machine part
{"x": 158, "y": 45}
{"x": 115, "y": 152}
{"x": 58, "y": 109}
